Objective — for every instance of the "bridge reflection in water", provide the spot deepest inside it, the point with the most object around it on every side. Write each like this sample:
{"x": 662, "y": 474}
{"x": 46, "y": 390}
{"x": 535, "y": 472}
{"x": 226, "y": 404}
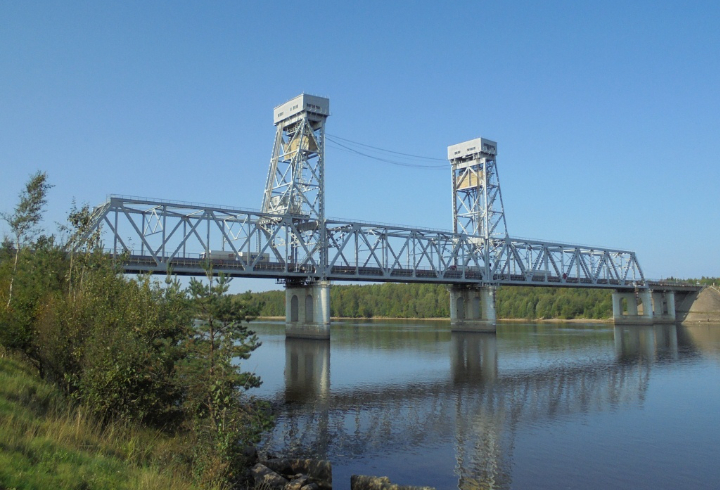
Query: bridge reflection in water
{"x": 477, "y": 410}
{"x": 307, "y": 370}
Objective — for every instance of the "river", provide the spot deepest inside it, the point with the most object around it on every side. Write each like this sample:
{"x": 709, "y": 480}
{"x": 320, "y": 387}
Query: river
{"x": 542, "y": 406}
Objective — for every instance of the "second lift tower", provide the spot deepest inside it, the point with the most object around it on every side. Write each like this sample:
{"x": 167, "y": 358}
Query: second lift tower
{"x": 477, "y": 201}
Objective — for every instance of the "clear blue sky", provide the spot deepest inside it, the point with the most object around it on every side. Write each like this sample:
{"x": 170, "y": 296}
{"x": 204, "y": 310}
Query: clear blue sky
{"x": 606, "y": 114}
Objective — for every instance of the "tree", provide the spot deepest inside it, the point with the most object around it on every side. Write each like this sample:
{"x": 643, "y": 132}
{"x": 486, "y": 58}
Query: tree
{"x": 25, "y": 221}
{"x": 83, "y": 245}
{"x": 224, "y": 422}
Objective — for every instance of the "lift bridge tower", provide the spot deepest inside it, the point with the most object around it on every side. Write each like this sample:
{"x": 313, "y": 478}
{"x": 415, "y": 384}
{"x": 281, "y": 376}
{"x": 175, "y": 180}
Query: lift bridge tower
{"x": 295, "y": 191}
{"x": 296, "y": 181}
{"x": 477, "y": 200}
{"x": 295, "y": 186}
{"x": 477, "y": 211}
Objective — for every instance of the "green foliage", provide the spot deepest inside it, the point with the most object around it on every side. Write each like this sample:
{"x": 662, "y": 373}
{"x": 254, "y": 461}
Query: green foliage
{"x": 432, "y": 301}
{"x": 33, "y": 274}
{"x": 133, "y": 351}
{"x": 544, "y": 303}
{"x": 24, "y": 222}
{"x": 129, "y": 345}
{"x": 44, "y": 443}
{"x": 224, "y": 422}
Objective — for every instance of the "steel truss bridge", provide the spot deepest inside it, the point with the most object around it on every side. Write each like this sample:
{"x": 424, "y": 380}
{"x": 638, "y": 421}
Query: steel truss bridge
{"x": 173, "y": 237}
{"x": 292, "y": 241}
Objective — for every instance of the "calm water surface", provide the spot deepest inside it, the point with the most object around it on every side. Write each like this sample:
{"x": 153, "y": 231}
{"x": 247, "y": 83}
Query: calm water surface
{"x": 533, "y": 406}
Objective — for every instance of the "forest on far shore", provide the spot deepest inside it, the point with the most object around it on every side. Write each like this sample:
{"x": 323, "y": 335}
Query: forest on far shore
{"x": 392, "y": 300}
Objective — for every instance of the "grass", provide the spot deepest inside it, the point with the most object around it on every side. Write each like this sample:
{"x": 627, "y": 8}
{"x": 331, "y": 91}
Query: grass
{"x": 45, "y": 442}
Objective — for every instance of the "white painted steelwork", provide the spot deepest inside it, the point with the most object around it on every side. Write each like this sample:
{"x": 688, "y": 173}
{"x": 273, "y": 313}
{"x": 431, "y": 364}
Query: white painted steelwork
{"x": 291, "y": 240}
{"x": 164, "y": 236}
{"x": 295, "y": 187}
{"x": 476, "y": 198}
{"x": 295, "y": 182}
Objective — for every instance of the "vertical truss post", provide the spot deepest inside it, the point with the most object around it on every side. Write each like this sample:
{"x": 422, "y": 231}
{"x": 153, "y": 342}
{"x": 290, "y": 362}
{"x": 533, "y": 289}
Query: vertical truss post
{"x": 164, "y": 226}
{"x": 142, "y": 242}
{"x": 115, "y": 236}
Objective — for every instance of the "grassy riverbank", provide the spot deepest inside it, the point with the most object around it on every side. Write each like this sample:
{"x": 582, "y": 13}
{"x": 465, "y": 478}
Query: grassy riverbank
{"x": 46, "y": 442}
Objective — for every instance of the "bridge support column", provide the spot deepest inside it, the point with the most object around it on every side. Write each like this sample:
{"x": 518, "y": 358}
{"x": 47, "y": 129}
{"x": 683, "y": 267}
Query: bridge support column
{"x": 663, "y": 306}
{"x": 670, "y": 299}
{"x": 472, "y": 309}
{"x": 625, "y": 307}
{"x": 647, "y": 305}
{"x": 624, "y": 304}
{"x": 307, "y": 310}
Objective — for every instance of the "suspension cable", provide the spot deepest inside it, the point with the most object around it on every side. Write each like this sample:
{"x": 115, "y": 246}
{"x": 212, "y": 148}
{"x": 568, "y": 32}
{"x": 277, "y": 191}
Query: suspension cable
{"x": 333, "y": 136}
{"x": 338, "y": 144}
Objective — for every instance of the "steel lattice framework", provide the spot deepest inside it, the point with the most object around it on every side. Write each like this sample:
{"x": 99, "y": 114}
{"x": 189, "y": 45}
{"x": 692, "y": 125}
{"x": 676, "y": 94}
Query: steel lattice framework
{"x": 291, "y": 240}
{"x": 477, "y": 200}
{"x": 296, "y": 181}
{"x": 164, "y": 236}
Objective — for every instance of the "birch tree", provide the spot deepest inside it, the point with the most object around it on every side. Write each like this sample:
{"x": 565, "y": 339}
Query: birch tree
{"x": 25, "y": 221}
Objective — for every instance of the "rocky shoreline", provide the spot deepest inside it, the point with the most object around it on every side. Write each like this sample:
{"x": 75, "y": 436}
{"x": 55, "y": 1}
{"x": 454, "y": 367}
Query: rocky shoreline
{"x": 273, "y": 473}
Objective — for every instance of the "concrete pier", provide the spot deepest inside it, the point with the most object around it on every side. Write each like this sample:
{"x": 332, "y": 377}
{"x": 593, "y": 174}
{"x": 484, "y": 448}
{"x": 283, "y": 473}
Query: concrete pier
{"x": 664, "y": 307}
{"x": 472, "y": 309}
{"x": 307, "y": 310}
{"x": 643, "y": 307}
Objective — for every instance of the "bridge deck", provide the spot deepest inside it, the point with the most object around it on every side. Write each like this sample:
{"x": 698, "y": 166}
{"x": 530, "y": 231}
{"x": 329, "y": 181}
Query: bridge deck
{"x": 279, "y": 270}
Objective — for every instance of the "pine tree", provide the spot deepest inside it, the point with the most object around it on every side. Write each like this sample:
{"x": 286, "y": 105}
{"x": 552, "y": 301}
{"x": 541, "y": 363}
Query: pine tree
{"x": 224, "y": 422}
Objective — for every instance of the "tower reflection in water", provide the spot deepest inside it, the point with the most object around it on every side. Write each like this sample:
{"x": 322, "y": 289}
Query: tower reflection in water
{"x": 483, "y": 448}
{"x": 476, "y": 411}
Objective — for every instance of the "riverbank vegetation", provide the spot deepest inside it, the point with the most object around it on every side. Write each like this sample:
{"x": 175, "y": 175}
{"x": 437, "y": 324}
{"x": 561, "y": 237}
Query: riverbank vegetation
{"x": 116, "y": 374}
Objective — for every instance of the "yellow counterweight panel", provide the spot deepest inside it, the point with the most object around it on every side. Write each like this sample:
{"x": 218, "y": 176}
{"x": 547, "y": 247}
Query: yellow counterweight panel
{"x": 469, "y": 179}
{"x": 308, "y": 143}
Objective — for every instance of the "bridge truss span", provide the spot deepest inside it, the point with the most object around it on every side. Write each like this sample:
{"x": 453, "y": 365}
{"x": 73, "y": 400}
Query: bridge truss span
{"x": 181, "y": 238}
{"x": 361, "y": 251}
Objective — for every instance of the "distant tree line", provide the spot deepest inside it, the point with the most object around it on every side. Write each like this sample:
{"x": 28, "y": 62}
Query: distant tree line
{"x": 703, "y": 281}
{"x": 393, "y": 300}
